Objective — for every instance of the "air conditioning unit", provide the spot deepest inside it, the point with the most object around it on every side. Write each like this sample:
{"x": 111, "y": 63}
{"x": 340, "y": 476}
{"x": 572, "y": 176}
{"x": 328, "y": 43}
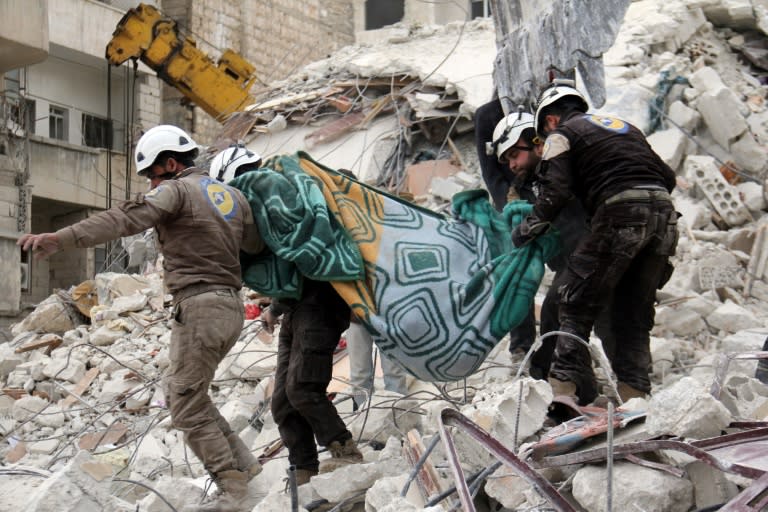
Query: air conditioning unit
{"x": 25, "y": 278}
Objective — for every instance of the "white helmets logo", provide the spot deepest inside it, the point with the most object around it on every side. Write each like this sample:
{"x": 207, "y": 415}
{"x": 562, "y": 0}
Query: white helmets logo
{"x": 225, "y": 164}
{"x": 159, "y": 139}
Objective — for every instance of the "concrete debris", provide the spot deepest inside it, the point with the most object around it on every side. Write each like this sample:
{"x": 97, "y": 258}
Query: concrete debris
{"x": 82, "y": 399}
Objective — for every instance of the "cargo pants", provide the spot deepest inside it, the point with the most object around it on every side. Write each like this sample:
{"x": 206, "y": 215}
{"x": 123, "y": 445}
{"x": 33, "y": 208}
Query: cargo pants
{"x": 625, "y": 259}
{"x": 309, "y": 334}
{"x": 205, "y": 327}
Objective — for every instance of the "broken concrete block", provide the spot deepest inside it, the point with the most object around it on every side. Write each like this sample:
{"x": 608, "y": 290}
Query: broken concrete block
{"x": 745, "y": 397}
{"x": 680, "y": 320}
{"x": 706, "y": 79}
{"x": 9, "y": 360}
{"x": 110, "y": 285}
{"x": 51, "y": 417}
{"x": 74, "y": 489}
{"x": 748, "y": 154}
{"x": 696, "y": 214}
{"x": 684, "y": 116}
{"x": 670, "y": 145}
{"x": 497, "y": 410}
{"x": 27, "y": 407}
{"x": 179, "y": 492}
{"x": 710, "y": 486}
{"x": 507, "y": 488}
{"x": 62, "y": 368}
{"x": 731, "y": 318}
{"x": 632, "y": 484}
{"x": 133, "y": 302}
{"x": 51, "y": 315}
{"x": 703, "y": 171}
{"x": 237, "y": 413}
{"x": 104, "y": 335}
{"x": 752, "y": 195}
{"x": 686, "y": 409}
{"x": 43, "y": 447}
{"x": 736, "y": 14}
{"x": 721, "y": 112}
{"x": 349, "y": 480}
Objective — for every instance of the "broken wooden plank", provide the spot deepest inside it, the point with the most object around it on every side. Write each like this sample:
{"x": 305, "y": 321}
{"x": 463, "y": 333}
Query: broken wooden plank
{"x": 79, "y": 388}
{"x": 112, "y": 435}
{"x": 335, "y": 129}
{"x": 16, "y": 453}
{"x": 427, "y": 478}
{"x": 51, "y": 341}
{"x": 14, "y": 393}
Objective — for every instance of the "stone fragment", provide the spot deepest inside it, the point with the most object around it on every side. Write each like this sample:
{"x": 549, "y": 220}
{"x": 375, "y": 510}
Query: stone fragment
{"x": 731, "y": 318}
{"x": 723, "y": 196}
{"x": 74, "y": 489}
{"x": 632, "y": 484}
{"x": 62, "y": 368}
{"x": 27, "y": 407}
{"x": 497, "y": 409}
{"x": 51, "y": 315}
{"x": 686, "y": 409}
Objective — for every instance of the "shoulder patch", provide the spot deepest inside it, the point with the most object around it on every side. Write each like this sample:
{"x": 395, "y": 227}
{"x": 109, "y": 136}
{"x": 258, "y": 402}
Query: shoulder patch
{"x": 555, "y": 145}
{"x": 161, "y": 197}
{"x": 220, "y": 196}
{"x": 613, "y": 124}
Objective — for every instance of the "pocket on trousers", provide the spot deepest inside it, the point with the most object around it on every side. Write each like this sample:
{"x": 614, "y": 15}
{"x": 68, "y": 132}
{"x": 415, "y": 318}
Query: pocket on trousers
{"x": 316, "y": 367}
{"x": 183, "y": 386}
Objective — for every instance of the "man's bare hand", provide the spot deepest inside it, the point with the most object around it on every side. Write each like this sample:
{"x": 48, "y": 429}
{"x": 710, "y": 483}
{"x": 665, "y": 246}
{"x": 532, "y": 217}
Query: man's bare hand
{"x": 269, "y": 319}
{"x": 42, "y": 245}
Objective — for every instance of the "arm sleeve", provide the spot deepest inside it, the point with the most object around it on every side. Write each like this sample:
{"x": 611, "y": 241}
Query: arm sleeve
{"x": 128, "y": 218}
{"x": 555, "y": 176}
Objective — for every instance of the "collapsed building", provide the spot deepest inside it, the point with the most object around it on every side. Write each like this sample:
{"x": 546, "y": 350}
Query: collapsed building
{"x": 82, "y": 413}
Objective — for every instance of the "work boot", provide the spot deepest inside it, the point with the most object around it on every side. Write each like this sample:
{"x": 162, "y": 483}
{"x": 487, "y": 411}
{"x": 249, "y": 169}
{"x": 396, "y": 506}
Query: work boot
{"x": 341, "y": 455}
{"x": 303, "y": 475}
{"x": 563, "y": 388}
{"x": 626, "y": 392}
{"x": 246, "y": 462}
{"x": 230, "y": 496}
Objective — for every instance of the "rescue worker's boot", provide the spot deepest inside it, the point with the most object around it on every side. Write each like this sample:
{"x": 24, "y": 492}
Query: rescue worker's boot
{"x": 341, "y": 455}
{"x": 231, "y": 493}
{"x": 627, "y": 392}
{"x": 303, "y": 475}
{"x": 246, "y": 462}
{"x": 563, "y": 388}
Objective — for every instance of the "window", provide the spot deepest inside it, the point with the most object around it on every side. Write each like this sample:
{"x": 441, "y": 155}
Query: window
{"x": 26, "y": 280}
{"x": 97, "y": 132}
{"x": 379, "y": 13}
{"x": 58, "y": 118}
{"x": 479, "y": 8}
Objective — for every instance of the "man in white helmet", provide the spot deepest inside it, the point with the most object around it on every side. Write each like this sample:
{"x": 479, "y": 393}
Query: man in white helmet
{"x": 516, "y": 146}
{"x": 310, "y": 331}
{"x": 201, "y": 226}
{"x": 624, "y": 187}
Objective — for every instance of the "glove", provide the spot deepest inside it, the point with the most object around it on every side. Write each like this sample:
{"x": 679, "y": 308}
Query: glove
{"x": 528, "y": 230}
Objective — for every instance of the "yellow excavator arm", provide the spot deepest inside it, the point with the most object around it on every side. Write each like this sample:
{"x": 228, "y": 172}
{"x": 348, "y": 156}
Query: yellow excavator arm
{"x": 219, "y": 89}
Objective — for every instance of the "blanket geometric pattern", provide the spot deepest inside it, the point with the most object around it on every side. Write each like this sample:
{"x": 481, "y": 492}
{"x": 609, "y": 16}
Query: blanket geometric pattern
{"x": 437, "y": 293}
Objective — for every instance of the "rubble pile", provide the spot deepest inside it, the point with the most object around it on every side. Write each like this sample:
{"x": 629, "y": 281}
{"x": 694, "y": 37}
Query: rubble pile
{"x": 82, "y": 413}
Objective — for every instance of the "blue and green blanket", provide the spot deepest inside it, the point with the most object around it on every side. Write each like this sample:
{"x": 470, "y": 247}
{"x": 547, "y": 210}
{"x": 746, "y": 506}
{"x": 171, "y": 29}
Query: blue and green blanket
{"x": 437, "y": 293}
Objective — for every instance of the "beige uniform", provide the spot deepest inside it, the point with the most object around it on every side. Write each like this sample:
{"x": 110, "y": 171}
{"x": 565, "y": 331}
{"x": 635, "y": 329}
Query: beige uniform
{"x": 201, "y": 226}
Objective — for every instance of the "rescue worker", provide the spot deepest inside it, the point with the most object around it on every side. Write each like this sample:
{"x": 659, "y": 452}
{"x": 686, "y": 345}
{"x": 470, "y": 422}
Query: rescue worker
{"x": 201, "y": 226}
{"x": 517, "y": 146}
{"x": 624, "y": 187}
{"x": 310, "y": 331}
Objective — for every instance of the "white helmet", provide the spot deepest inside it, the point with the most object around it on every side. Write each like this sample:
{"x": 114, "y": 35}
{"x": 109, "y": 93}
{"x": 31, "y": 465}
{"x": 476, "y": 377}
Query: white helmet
{"x": 225, "y": 164}
{"x": 557, "y": 91}
{"x": 508, "y": 132}
{"x": 158, "y": 139}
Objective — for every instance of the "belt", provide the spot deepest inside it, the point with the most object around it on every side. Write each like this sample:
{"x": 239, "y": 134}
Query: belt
{"x": 197, "y": 289}
{"x": 638, "y": 194}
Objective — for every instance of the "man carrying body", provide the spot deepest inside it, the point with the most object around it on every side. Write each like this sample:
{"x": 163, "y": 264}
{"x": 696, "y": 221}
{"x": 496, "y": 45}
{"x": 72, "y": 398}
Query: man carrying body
{"x": 624, "y": 187}
{"x": 201, "y": 226}
{"x": 519, "y": 148}
{"x": 310, "y": 330}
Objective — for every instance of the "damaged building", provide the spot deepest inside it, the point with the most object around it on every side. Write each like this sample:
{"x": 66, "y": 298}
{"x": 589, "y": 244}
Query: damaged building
{"x": 83, "y": 419}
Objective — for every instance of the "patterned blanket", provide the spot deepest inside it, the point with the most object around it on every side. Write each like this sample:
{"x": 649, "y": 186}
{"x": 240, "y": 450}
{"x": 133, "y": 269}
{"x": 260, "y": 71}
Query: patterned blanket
{"x": 437, "y": 293}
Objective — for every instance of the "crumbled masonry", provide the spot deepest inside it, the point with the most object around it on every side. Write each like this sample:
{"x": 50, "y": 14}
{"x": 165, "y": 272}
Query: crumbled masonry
{"x": 82, "y": 414}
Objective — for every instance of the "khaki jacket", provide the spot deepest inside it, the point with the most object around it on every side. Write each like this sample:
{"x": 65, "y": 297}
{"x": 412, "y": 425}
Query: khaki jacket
{"x": 201, "y": 226}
